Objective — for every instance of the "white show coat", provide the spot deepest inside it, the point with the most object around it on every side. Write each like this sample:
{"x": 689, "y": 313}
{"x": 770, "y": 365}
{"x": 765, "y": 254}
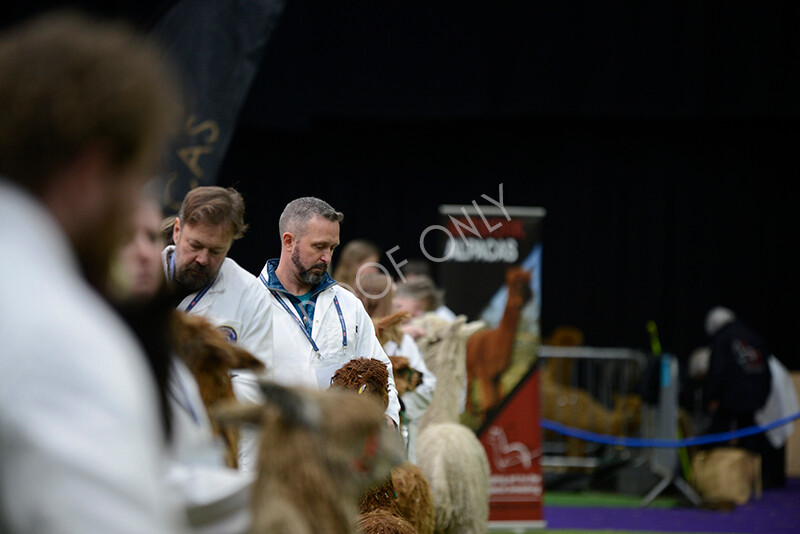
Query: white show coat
{"x": 292, "y": 358}
{"x": 81, "y": 446}
{"x": 782, "y": 402}
{"x": 417, "y": 400}
{"x": 216, "y": 498}
{"x": 235, "y": 303}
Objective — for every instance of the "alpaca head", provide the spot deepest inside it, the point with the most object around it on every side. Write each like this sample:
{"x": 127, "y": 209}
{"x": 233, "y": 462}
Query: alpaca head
{"x": 334, "y": 440}
{"x": 518, "y": 281}
{"x": 364, "y": 375}
{"x": 209, "y": 355}
{"x": 444, "y": 345}
{"x": 406, "y": 378}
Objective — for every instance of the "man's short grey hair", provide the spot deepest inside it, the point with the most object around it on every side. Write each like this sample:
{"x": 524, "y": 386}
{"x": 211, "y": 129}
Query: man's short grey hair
{"x": 298, "y": 212}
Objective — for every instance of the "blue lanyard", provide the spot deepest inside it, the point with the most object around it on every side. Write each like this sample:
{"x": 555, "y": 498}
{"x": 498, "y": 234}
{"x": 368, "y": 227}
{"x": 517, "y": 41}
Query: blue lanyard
{"x": 300, "y": 321}
{"x": 199, "y": 295}
{"x": 341, "y": 321}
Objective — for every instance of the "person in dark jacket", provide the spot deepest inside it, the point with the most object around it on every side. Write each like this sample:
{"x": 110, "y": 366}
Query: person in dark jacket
{"x": 737, "y": 385}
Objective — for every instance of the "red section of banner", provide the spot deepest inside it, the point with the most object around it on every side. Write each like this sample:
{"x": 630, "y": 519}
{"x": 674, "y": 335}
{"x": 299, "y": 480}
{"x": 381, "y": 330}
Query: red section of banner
{"x": 513, "y": 443}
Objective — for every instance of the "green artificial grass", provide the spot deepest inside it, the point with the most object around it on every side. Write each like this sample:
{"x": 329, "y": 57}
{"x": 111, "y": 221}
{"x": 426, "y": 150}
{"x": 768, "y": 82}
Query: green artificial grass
{"x": 591, "y": 499}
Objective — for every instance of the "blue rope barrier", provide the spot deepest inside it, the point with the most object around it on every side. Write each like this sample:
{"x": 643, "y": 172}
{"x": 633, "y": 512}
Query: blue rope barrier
{"x": 664, "y": 443}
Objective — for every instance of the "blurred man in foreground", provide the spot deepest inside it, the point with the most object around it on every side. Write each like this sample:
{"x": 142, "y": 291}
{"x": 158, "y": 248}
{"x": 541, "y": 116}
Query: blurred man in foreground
{"x": 87, "y": 109}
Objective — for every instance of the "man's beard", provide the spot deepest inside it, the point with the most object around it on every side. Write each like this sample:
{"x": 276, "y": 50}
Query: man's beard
{"x": 193, "y": 277}
{"x": 307, "y": 275}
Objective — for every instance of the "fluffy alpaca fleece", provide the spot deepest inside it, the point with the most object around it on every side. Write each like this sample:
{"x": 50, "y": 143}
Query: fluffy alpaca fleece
{"x": 364, "y": 375}
{"x": 319, "y": 452}
{"x": 444, "y": 347}
{"x": 210, "y": 357}
{"x": 370, "y": 376}
{"x": 413, "y": 501}
{"x": 383, "y": 522}
{"x": 414, "y": 496}
{"x": 448, "y": 453}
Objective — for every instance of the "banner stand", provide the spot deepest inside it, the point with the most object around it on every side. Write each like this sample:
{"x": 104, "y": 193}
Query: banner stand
{"x": 483, "y": 247}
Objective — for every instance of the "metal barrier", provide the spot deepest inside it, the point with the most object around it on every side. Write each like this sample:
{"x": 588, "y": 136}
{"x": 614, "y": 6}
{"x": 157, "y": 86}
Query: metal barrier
{"x": 592, "y": 389}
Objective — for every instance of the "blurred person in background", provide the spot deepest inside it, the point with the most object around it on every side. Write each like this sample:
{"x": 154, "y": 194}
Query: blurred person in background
{"x": 418, "y": 295}
{"x": 358, "y": 256}
{"x": 744, "y": 384}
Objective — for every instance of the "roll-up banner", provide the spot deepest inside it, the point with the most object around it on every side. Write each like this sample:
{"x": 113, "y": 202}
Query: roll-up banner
{"x": 490, "y": 266}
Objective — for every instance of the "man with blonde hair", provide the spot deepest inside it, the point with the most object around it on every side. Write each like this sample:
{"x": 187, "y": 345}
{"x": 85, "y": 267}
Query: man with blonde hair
{"x": 86, "y": 109}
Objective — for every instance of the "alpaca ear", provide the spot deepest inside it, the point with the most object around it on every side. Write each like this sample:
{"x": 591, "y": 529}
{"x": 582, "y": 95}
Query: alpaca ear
{"x": 234, "y": 413}
{"x": 393, "y": 319}
{"x": 456, "y": 325}
{"x": 243, "y": 359}
{"x": 470, "y": 328}
{"x": 294, "y": 407}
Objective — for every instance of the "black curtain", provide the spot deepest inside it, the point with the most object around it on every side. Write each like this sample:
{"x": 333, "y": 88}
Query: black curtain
{"x": 660, "y": 137}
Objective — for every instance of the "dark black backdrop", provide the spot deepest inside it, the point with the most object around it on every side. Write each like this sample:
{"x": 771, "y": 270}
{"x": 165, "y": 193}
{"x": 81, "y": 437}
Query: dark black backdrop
{"x": 661, "y": 137}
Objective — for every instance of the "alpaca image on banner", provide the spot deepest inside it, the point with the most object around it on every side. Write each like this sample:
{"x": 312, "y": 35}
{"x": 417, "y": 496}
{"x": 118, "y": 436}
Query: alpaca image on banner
{"x": 505, "y": 454}
{"x": 498, "y": 358}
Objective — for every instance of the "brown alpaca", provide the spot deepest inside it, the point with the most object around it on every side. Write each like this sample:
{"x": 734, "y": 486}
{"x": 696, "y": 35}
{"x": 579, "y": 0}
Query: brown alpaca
{"x": 489, "y": 351}
{"x": 319, "y": 452}
{"x": 577, "y": 408}
{"x": 364, "y": 375}
{"x": 388, "y": 328}
{"x": 383, "y": 522}
{"x": 210, "y": 357}
{"x": 381, "y": 507}
{"x": 406, "y": 378}
{"x": 414, "y": 497}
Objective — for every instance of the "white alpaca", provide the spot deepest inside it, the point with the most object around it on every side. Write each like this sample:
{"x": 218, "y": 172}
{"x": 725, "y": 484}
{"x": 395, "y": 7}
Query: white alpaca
{"x": 449, "y": 453}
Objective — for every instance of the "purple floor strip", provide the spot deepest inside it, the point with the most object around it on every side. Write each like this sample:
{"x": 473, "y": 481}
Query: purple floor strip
{"x": 777, "y": 512}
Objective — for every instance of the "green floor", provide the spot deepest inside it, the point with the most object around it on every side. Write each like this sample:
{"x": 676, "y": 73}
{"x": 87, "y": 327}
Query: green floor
{"x": 607, "y": 500}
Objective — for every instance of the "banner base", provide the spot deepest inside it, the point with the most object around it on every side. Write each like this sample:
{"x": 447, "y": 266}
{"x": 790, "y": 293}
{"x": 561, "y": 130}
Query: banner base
{"x": 520, "y": 526}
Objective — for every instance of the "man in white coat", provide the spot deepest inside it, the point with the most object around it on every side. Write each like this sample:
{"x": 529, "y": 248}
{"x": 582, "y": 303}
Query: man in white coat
{"x": 211, "y": 284}
{"x": 217, "y": 287}
{"x": 321, "y": 325}
{"x": 86, "y": 110}
{"x": 215, "y": 498}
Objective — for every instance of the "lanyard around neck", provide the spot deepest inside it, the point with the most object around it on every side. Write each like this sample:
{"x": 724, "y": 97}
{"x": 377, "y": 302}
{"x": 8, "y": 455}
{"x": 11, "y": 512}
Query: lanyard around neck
{"x": 200, "y": 293}
{"x": 299, "y": 321}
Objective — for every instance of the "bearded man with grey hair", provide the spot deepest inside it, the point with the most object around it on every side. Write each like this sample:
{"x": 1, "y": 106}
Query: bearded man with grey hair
{"x": 321, "y": 325}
